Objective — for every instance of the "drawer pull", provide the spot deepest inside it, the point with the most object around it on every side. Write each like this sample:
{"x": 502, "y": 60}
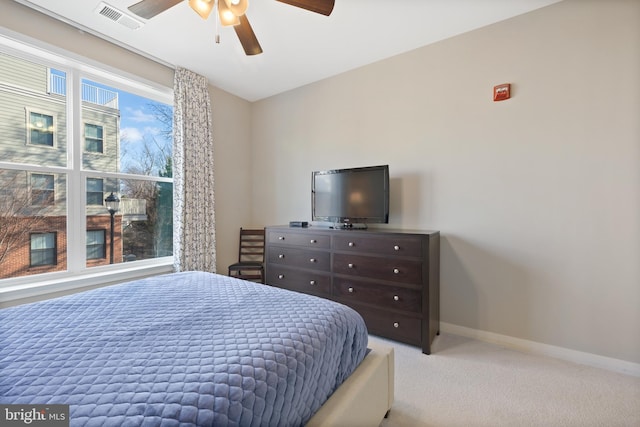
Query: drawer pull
{"x": 350, "y": 265}
{"x": 396, "y": 271}
{"x": 281, "y": 256}
{"x": 312, "y": 260}
{"x": 312, "y": 282}
{"x": 396, "y": 298}
{"x": 396, "y": 324}
{"x": 280, "y": 237}
{"x": 351, "y": 244}
{"x": 313, "y": 241}
{"x": 350, "y": 290}
{"x": 396, "y": 248}
{"x": 280, "y": 276}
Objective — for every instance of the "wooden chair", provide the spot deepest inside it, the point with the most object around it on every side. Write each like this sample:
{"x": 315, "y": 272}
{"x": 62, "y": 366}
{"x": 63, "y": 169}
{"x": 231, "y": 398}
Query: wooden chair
{"x": 250, "y": 265}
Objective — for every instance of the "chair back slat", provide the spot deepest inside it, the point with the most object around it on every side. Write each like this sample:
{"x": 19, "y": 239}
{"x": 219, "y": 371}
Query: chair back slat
{"x": 251, "y": 245}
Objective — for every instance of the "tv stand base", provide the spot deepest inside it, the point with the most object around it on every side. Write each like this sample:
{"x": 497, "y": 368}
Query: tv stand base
{"x": 350, "y": 226}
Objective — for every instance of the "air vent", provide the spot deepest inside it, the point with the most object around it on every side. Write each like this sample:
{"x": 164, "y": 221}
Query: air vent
{"x": 118, "y": 16}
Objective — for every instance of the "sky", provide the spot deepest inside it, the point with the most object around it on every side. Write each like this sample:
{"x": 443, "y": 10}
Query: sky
{"x": 139, "y": 125}
{"x": 137, "y": 119}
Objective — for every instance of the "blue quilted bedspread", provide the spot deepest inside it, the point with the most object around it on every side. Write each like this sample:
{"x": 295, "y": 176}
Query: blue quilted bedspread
{"x": 182, "y": 349}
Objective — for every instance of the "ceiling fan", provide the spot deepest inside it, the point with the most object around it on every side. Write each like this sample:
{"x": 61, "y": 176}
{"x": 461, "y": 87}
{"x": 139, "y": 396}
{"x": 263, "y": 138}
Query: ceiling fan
{"x": 230, "y": 12}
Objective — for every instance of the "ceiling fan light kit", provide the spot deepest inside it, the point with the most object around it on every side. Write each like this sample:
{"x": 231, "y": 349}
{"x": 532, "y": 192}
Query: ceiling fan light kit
{"x": 202, "y": 7}
{"x": 237, "y": 7}
{"x": 230, "y": 12}
{"x": 226, "y": 15}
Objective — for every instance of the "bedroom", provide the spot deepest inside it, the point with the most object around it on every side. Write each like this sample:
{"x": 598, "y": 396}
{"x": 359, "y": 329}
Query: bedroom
{"x": 537, "y": 198}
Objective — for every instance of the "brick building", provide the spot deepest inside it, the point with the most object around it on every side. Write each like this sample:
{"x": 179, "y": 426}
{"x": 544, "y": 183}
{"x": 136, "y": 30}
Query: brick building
{"x": 34, "y": 202}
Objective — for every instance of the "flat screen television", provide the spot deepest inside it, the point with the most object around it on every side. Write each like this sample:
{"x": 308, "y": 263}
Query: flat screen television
{"x": 351, "y": 198}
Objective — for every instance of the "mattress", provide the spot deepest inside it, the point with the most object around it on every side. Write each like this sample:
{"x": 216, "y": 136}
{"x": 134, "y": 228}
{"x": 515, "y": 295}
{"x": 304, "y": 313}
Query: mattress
{"x": 189, "y": 348}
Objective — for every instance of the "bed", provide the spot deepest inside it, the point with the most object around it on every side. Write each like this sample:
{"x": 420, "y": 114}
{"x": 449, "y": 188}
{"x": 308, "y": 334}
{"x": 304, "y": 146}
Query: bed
{"x": 196, "y": 349}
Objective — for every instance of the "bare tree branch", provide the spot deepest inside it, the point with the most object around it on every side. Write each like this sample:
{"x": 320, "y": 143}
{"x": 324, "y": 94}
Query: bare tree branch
{"x": 17, "y": 217}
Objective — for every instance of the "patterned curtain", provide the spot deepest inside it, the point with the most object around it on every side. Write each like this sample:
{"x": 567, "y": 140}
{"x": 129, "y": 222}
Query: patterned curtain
{"x": 194, "y": 237}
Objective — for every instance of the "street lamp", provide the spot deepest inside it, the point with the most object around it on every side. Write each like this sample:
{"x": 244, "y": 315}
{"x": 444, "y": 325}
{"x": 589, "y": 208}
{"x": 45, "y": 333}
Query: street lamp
{"x": 112, "y": 202}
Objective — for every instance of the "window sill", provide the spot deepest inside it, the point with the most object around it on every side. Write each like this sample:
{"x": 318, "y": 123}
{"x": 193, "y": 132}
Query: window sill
{"x": 63, "y": 283}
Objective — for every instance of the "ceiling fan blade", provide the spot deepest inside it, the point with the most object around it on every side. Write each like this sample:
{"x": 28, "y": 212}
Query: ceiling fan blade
{"x": 324, "y": 7}
{"x": 247, "y": 37}
{"x": 149, "y": 8}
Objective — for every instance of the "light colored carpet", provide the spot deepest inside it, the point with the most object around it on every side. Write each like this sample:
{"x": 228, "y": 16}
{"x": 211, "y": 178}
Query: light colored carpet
{"x": 467, "y": 383}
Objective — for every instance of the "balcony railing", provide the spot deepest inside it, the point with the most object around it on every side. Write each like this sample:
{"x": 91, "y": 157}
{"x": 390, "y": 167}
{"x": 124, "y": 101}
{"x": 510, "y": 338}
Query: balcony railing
{"x": 133, "y": 209}
{"x": 93, "y": 94}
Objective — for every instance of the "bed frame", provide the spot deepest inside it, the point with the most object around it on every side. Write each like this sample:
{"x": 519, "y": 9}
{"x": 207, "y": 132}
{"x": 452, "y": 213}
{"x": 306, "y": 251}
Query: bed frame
{"x": 365, "y": 398}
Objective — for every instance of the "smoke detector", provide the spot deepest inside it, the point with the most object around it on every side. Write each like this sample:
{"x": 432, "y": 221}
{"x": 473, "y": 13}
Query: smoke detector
{"x": 118, "y": 16}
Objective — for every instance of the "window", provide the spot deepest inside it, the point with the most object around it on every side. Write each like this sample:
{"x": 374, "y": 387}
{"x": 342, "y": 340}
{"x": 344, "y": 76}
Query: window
{"x": 43, "y": 249}
{"x": 42, "y": 189}
{"x": 95, "y": 191}
{"x": 93, "y": 142}
{"x": 121, "y": 129}
{"x": 95, "y": 244}
{"x": 40, "y": 129}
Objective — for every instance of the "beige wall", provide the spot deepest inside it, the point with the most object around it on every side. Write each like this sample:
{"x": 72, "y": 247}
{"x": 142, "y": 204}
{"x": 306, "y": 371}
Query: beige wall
{"x": 233, "y": 173}
{"x": 537, "y": 197}
{"x": 231, "y": 115}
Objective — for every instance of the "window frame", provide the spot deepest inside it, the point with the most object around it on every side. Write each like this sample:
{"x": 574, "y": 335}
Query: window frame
{"x": 101, "y": 193}
{"x": 78, "y": 275}
{"x": 54, "y": 139}
{"x": 104, "y": 243}
{"x": 31, "y": 190}
{"x": 84, "y": 137}
{"x": 54, "y": 248}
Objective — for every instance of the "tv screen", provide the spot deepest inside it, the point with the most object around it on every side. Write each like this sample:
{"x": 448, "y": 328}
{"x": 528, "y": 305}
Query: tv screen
{"x": 351, "y": 196}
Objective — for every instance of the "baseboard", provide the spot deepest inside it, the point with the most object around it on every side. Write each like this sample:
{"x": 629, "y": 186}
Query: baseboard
{"x": 589, "y": 359}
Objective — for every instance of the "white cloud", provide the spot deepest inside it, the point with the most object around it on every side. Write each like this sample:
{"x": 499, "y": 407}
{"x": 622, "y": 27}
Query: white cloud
{"x": 131, "y": 134}
{"x": 152, "y": 130}
{"x": 139, "y": 116}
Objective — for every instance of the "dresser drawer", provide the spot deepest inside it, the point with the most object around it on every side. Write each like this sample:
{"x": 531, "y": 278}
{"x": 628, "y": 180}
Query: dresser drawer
{"x": 393, "y": 275}
{"x": 306, "y": 239}
{"x": 294, "y": 257}
{"x": 388, "y": 245}
{"x": 301, "y": 281}
{"x": 396, "y": 270}
{"x": 387, "y": 297}
{"x": 399, "y": 327}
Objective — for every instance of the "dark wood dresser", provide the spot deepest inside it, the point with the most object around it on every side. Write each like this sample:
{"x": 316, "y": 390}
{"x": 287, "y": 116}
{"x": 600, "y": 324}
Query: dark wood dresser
{"x": 390, "y": 277}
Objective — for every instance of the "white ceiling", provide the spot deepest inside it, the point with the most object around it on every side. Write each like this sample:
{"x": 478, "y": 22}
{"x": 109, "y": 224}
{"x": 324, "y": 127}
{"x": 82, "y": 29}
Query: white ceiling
{"x": 300, "y": 47}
